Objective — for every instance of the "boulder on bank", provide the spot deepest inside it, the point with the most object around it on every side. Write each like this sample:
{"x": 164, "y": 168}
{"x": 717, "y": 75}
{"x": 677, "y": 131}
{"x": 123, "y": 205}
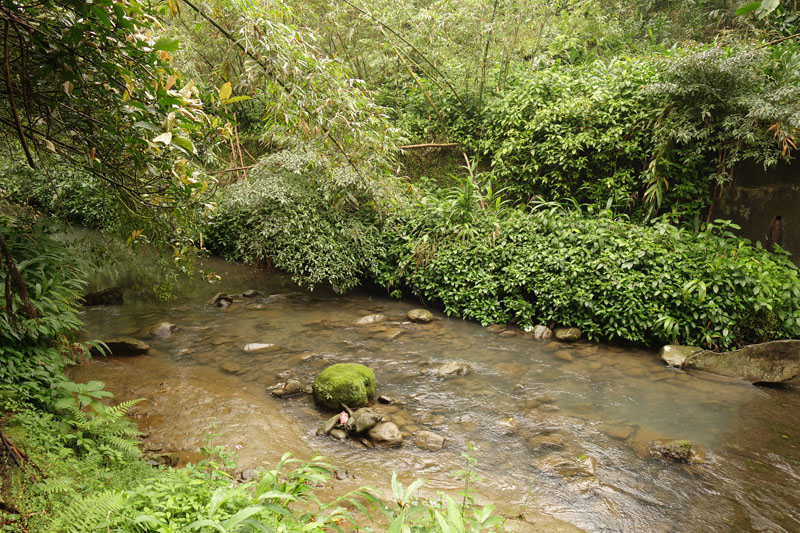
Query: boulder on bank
{"x": 110, "y": 296}
{"x": 541, "y": 332}
{"x": 124, "y": 346}
{"x": 420, "y": 316}
{"x": 567, "y": 334}
{"x": 770, "y": 362}
{"x": 344, "y": 383}
{"x": 674, "y": 355}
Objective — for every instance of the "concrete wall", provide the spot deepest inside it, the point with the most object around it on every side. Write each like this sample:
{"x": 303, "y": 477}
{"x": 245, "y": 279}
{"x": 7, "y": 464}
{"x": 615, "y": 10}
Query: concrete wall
{"x": 757, "y": 198}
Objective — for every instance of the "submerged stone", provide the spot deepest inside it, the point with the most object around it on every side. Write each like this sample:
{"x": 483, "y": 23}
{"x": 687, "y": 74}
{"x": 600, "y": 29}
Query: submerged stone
{"x": 428, "y": 440}
{"x": 220, "y": 300}
{"x": 452, "y": 368}
{"x": 370, "y": 319}
{"x": 344, "y": 383}
{"x": 770, "y": 362}
{"x": 675, "y": 450}
{"x": 163, "y": 329}
{"x": 261, "y": 347}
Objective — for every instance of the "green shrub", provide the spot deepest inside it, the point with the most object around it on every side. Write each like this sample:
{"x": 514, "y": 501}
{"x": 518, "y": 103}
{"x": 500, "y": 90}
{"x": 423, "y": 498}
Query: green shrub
{"x": 645, "y": 284}
{"x": 291, "y": 214}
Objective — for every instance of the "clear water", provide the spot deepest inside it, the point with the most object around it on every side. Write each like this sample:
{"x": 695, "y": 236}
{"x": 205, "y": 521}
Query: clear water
{"x": 535, "y": 417}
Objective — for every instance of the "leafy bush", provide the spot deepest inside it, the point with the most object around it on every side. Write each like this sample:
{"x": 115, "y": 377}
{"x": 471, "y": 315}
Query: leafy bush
{"x": 612, "y": 279}
{"x": 287, "y": 213}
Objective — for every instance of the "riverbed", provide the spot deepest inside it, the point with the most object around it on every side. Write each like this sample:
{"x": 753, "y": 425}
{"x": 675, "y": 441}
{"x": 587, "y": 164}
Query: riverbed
{"x": 559, "y": 429}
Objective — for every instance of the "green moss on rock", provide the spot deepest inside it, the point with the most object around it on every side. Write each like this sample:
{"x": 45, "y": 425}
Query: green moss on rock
{"x": 344, "y": 383}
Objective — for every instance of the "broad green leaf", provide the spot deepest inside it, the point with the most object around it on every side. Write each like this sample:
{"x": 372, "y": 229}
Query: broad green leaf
{"x": 167, "y": 44}
{"x": 225, "y": 91}
{"x": 747, "y": 8}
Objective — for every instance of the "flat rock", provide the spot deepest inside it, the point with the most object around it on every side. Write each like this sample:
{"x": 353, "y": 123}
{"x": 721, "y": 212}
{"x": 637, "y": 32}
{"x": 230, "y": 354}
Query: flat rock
{"x": 328, "y": 425}
{"x": 541, "y": 333}
{"x": 261, "y": 347}
{"x": 420, "y": 316}
{"x": 124, "y": 346}
{"x": 567, "y": 334}
{"x": 770, "y": 362}
{"x": 251, "y": 293}
{"x": 163, "y": 329}
{"x": 428, "y": 440}
{"x": 370, "y": 319}
{"x": 110, "y": 296}
{"x": 675, "y": 355}
{"x": 386, "y": 434}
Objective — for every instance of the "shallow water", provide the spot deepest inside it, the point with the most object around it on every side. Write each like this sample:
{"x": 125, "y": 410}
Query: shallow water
{"x": 558, "y": 428}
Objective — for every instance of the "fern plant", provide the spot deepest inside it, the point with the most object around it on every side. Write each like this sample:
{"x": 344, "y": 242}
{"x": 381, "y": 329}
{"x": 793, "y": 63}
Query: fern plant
{"x": 95, "y": 428}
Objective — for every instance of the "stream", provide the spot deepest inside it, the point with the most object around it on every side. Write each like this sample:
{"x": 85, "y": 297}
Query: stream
{"x": 558, "y": 429}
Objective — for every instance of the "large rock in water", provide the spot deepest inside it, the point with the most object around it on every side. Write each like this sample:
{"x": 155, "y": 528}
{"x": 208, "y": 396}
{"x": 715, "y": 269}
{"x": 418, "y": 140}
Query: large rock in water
{"x": 420, "y": 316}
{"x": 674, "y": 355}
{"x": 124, "y": 346}
{"x": 386, "y": 434}
{"x": 770, "y": 362}
{"x": 567, "y": 334}
{"x": 344, "y": 383}
{"x": 110, "y": 296}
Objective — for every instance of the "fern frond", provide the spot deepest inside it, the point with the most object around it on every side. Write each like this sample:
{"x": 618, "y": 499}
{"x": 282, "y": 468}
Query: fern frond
{"x": 89, "y": 514}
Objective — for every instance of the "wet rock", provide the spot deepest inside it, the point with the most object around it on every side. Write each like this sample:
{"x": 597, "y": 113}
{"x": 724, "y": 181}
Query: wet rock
{"x": 386, "y": 434}
{"x": 291, "y": 387}
{"x": 110, "y": 296}
{"x": 251, "y": 293}
{"x": 248, "y": 474}
{"x": 338, "y": 434}
{"x": 509, "y": 333}
{"x": 508, "y": 425}
{"x": 547, "y": 441}
{"x": 370, "y": 319}
{"x": 452, "y": 368}
{"x": 363, "y": 420}
{"x": 153, "y": 447}
{"x": 770, "y": 362}
{"x": 582, "y": 466}
{"x": 344, "y": 383}
{"x": 163, "y": 329}
{"x": 428, "y": 440}
{"x": 564, "y": 355}
{"x": 496, "y": 328}
{"x": 230, "y": 367}
{"x": 595, "y": 365}
{"x": 420, "y": 316}
{"x": 256, "y": 307}
{"x": 220, "y": 300}
{"x": 168, "y": 459}
{"x": 124, "y": 346}
{"x": 619, "y": 432}
{"x": 674, "y": 355}
{"x": 366, "y": 442}
{"x": 567, "y": 334}
{"x": 541, "y": 333}
{"x": 328, "y": 425}
{"x": 679, "y": 451}
{"x": 385, "y": 400}
{"x": 261, "y": 347}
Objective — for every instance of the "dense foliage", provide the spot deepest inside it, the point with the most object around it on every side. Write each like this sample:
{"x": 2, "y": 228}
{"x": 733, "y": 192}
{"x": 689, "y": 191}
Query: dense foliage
{"x": 285, "y": 214}
{"x": 647, "y": 284}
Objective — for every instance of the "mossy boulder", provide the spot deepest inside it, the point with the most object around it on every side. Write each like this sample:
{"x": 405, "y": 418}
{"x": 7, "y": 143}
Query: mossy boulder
{"x": 344, "y": 383}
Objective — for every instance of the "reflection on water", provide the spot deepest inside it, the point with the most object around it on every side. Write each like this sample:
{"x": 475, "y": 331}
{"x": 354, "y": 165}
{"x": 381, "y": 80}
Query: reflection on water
{"x": 560, "y": 428}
